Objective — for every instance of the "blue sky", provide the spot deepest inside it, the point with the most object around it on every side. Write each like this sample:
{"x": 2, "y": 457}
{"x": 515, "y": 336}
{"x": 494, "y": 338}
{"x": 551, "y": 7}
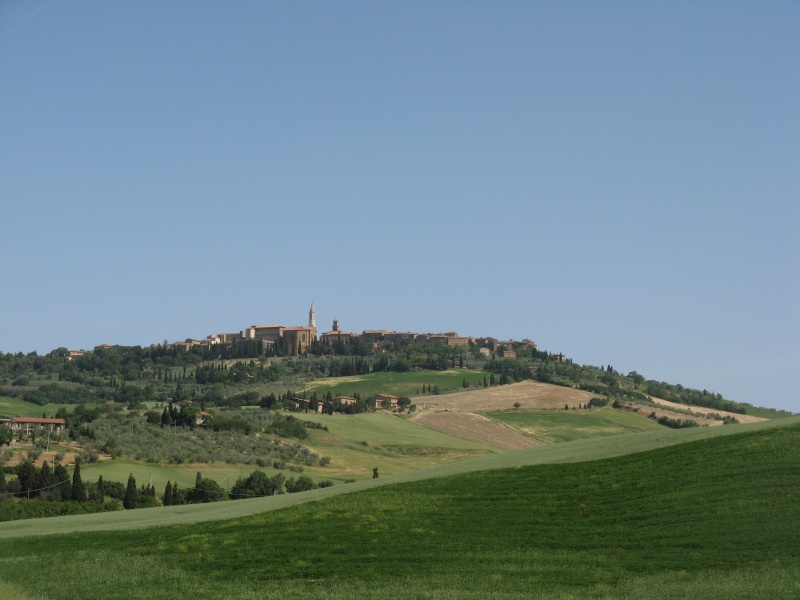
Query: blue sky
{"x": 618, "y": 181}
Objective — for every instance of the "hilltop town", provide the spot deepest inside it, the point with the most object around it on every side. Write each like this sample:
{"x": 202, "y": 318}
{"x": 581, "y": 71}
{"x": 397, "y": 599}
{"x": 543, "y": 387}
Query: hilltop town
{"x": 297, "y": 340}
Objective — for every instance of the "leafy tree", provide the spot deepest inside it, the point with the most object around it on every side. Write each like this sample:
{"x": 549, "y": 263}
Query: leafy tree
{"x": 206, "y": 490}
{"x": 302, "y": 484}
{"x": 375, "y": 473}
{"x": 517, "y": 405}
{"x": 257, "y": 484}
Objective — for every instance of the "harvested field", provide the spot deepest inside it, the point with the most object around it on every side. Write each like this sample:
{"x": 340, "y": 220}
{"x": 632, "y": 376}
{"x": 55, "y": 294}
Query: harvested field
{"x": 707, "y": 411}
{"x": 530, "y": 394}
{"x": 476, "y": 428}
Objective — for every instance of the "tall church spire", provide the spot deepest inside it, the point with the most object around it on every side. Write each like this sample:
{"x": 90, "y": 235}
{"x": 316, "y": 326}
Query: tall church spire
{"x": 312, "y": 317}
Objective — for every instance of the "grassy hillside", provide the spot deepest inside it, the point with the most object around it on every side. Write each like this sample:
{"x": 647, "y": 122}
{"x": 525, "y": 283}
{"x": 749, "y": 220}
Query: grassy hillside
{"x": 355, "y": 443}
{"x": 713, "y": 518}
{"x": 565, "y": 426}
{"x": 567, "y": 452}
{"x": 16, "y": 407}
{"x": 400, "y": 384}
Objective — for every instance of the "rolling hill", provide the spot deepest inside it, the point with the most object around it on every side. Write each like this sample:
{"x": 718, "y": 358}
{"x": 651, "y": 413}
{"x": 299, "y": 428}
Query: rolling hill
{"x": 710, "y": 514}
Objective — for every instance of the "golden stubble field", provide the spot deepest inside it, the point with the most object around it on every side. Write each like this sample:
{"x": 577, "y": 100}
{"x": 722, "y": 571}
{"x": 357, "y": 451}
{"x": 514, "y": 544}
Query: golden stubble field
{"x": 459, "y": 413}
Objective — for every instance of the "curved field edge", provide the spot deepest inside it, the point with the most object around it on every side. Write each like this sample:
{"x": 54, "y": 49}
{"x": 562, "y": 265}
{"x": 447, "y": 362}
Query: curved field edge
{"x": 567, "y": 452}
{"x": 712, "y": 518}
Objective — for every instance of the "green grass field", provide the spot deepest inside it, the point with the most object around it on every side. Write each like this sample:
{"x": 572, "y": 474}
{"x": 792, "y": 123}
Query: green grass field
{"x": 568, "y": 452}
{"x": 225, "y": 475}
{"x": 393, "y": 444}
{"x": 566, "y": 426}
{"x": 400, "y": 384}
{"x": 14, "y": 407}
{"x": 711, "y": 518}
{"x": 358, "y": 443}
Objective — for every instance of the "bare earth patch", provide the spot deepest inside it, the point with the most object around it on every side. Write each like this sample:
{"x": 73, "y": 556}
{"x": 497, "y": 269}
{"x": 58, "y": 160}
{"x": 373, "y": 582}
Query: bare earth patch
{"x": 476, "y": 428}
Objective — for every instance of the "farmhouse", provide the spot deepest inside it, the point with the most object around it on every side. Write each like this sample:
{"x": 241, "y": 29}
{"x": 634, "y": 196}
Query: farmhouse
{"x": 379, "y": 399}
{"x": 345, "y": 400}
{"x": 27, "y": 424}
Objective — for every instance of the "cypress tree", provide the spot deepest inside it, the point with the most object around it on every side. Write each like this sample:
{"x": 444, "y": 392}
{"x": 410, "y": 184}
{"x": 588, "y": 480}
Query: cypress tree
{"x": 130, "y": 493}
{"x": 45, "y": 479}
{"x": 62, "y": 479}
{"x": 167, "y": 500}
{"x": 78, "y": 491}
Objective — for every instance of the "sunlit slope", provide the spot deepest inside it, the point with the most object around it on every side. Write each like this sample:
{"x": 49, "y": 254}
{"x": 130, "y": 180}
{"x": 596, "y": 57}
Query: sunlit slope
{"x": 567, "y": 452}
{"x": 711, "y": 518}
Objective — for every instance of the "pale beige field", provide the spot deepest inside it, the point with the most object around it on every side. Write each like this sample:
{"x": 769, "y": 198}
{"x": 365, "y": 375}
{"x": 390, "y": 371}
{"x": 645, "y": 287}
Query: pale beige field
{"x": 530, "y": 394}
{"x": 476, "y": 428}
{"x": 458, "y": 413}
{"x": 707, "y": 411}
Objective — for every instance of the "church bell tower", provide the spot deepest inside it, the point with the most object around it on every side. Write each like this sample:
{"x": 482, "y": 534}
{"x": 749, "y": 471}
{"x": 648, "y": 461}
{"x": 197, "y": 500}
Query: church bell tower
{"x": 312, "y": 317}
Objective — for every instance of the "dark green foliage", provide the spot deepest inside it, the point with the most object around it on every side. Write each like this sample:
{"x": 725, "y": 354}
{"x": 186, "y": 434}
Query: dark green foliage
{"x": 301, "y": 484}
{"x": 167, "y": 499}
{"x": 6, "y": 435}
{"x": 78, "y": 492}
{"x": 115, "y": 489}
{"x": 205, "y": 490}
{"x": 257, "y": 484}
{"x": 672, "y": 423}
{"x": 36, "y": 508}
{"x": 288, "y": 426}
{"x": 508, "y": 370}
{"x": 131, "y": 494}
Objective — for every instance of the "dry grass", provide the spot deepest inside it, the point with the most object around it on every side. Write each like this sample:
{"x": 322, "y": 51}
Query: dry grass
{"x": 476, "y": 428}
{"x": 530, "y": 394}
{"x": 706, "y": 411}
{"x": 456, "y": 413}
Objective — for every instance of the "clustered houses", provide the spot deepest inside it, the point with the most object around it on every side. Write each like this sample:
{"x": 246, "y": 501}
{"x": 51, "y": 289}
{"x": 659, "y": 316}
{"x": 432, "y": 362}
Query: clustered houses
{"x": 296, "y": 340}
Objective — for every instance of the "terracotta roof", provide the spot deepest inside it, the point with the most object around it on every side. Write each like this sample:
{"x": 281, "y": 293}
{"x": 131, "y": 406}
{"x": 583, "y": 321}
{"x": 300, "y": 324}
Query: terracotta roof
{"x": 35, "y": 420}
